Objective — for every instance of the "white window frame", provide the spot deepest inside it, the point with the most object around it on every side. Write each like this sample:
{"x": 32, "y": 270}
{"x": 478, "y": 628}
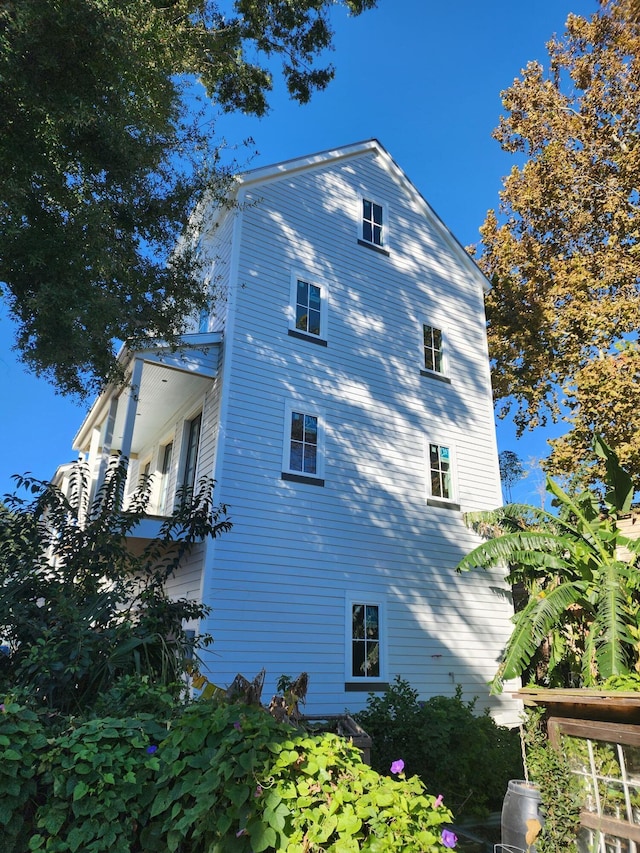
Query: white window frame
{"x": 383, "y": 246}
{"x": 432, "y": 499}
{"x": 434, "y": 324}
{"x": 305, "y": 409}
{"x": 301, "y": 275}
{"x": 352, "y": 598}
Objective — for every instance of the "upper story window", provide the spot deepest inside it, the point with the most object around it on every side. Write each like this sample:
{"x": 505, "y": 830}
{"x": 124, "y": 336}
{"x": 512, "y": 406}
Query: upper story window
{"x": 191, "y": 451}
{"x": 308, "y": 313}
{"x": 432, "y": 343}
{"x": 304, "y": 448}
{"x": 303, "y": 454}
{"x": 440, "y": 471}
{"x": 442, "y": 486}
{"x": 372, "y": 225}
{"x": 434, "y": 353}
{"x": 372, "y": 222}
{"x": 308, "y": 307}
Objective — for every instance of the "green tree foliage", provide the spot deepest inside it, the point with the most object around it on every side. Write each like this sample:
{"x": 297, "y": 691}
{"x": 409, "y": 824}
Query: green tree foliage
{"x": 562, "y": 253}
{"x": 104, "y": 160}
{"x": 460, "y": 754}
{"x": 581, "y": 622}
{"x": 79, "y": 609}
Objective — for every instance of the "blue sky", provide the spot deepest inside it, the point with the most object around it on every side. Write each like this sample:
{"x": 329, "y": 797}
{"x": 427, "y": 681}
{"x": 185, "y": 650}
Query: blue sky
{"x": 422, "y": 77}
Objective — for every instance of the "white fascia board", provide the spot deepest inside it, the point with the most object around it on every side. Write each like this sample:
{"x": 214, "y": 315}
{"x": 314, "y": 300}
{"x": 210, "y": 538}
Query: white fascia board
{"x": 311, "y": 161}
{"x": 276, "y": 171}
{"x": 451, "y": 240}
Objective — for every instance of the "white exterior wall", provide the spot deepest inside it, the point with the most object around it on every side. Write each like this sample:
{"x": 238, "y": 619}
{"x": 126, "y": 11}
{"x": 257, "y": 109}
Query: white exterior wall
{"x": 280, "y": 580}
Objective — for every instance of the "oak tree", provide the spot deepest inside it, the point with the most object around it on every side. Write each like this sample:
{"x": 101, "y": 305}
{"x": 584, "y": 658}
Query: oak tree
{"x": 563, "y": 253}
{"x": 103, "y": 158}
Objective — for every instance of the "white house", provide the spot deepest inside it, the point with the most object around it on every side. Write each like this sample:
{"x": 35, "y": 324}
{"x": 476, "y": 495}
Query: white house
{"x": 339, "y": 394}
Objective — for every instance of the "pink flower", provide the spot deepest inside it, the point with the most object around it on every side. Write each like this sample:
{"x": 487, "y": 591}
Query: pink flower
{"x": 438, "y": 801}
{"x": 449, "y": 839}
{"x": 258, "y": 791}
{"x": 241, "y": 832}
{"x": 397, "y": 766}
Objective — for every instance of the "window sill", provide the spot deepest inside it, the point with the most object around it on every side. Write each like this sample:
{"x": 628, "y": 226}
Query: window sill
{"x": 366, "y": 686}
{"x": 375, "y": 248}
{"x": 302, "y": 478}
{"x": 305, "y": 336}
{"x": 443, "y": 504}
{"x": 431, "y": 374}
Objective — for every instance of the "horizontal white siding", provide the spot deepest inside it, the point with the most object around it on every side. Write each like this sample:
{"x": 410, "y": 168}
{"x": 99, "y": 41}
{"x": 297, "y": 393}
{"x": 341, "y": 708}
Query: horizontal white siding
{"x": 279, "y": 580}
{"x": 186, "y": 582}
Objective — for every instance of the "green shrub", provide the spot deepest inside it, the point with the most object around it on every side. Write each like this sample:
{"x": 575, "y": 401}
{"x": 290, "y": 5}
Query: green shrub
{"x": 22, "y": 740}
{"x": 234, "y": 780}
{"x": 223, "y": 778}
{"x": 464, "y": 756}
{"x": 97, "y": 785}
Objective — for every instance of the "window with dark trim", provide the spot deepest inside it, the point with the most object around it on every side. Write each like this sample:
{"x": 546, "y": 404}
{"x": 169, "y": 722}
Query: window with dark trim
{"x": 191, "y": 453}
{"x": 308, "y": 304}
{"x": 432, "y": 347}
{"x": 303, "y": 447}
{"x": 365, "y": 641}
{"x": 372, "y": 222}
{"x": 440, "y": 471}
{"x": 165, "y": 475}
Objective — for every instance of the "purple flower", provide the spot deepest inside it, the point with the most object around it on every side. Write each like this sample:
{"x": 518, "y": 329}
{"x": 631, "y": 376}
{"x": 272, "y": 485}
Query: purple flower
{"x": 438, "y": 801}
{"x": 449, "y": 839}
{"x": 397, "y": 766}
{"x": 241, "y": 832}
{"x": 2, "y": 707}
{"x": 151, "y": 749}
{"x": 258, "y": 791}
{"x": 237, "y": 726}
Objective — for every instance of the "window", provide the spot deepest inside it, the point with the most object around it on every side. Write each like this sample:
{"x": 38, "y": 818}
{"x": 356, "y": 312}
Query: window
{"x": 365, "y": 641}
{"x": 165, "y": 474}
{"x": 191, "y": 452}
{"x": 145, "y": 474}
{"x": 308, "y": 312}
{"x": 307, "y": 307}
{"x": 432, "y": 345}
{"x": 372, "y": 222}
{"x": 303, "y": 455}
{"x": 440, "y": 472}
{"x": 303, "y": 452}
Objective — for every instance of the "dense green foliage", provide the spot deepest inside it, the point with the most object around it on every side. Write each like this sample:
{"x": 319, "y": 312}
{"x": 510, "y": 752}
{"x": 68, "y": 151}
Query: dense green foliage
{"x": 222, "y": 777}
{"x": 79, "y": 609}
{"x": 22, "y": 743}
{"x": 581, "y": 621}
{"x": 105, "y": 155}
{"x": 562, "y": 251}
{"x": 463, "y": 756}
{"x": 561, "y": 793}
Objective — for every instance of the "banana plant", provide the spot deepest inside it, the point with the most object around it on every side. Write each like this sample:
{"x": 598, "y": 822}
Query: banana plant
{"x": 582, "y": 611}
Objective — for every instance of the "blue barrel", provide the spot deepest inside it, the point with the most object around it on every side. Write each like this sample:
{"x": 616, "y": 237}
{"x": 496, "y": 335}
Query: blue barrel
{"x": 521, "y": 804}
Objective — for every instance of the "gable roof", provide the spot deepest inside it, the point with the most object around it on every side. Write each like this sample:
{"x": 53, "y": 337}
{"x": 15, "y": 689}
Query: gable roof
{"x": 320, "y": 159}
